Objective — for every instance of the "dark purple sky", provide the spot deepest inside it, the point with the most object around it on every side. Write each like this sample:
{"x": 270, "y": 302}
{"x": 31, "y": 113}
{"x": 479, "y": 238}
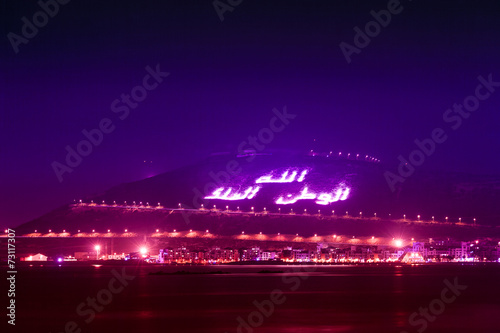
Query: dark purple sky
{"x": 225, "y": 79}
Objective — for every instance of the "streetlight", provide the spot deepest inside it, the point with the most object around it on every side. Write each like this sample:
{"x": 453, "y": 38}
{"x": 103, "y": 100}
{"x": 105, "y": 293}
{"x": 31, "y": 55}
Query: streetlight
{"x": 97, "y": 249}
{"x": 433, "y": 219}
{"x": 418, "y": 217}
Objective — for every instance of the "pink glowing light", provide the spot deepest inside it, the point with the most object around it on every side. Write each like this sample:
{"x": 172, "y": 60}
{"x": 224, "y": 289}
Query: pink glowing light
{"x": 286, "y": 177}
{"x": 232, "y": 194}
{"x": 322, "y": 198}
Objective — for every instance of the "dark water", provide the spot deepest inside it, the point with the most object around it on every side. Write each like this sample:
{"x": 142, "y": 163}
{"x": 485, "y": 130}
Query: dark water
{"x": 314, "y": 299}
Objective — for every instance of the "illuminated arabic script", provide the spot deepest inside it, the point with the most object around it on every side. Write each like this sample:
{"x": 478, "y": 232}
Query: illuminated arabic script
{"x": 286, "y": 177}
{"x": 322, "y": 198}
{"x": 230, "y": 193}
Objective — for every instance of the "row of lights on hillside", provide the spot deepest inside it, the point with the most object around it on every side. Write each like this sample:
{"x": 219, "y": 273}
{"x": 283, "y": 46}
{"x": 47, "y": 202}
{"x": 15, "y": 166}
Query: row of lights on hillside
{"x": 367, "y": 157}
{"x": 305, "y": 210}
{"x": 279, "y": 209}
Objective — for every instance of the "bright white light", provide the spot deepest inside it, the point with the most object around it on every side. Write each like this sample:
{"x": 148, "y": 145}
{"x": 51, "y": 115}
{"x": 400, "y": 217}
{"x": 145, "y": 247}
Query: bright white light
{"x": 398, "y": 242}
{"x": 97, "y": 247}
{"x": 143, "y": 250}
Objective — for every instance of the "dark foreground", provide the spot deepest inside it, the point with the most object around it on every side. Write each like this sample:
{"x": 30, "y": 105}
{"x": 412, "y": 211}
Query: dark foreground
{"x": 257, "y": 298}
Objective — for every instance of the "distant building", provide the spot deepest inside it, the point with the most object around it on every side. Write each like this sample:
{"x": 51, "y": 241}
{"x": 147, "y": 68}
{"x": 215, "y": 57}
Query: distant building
{"x": 36, "y": 257}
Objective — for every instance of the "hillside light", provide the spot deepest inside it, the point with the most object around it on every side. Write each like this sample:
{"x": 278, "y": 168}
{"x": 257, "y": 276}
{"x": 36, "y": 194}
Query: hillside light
{"x": 375, "y": 214}
{"x": 418, "y": 217}
{"x": 78, "y": 230}
{"x": 398, "y": 243}
{"x": 35, "y": 230}
{"x": 109, "y": 230}
{"x": 305, "y": 210}
{"x": 373, "y": 237}
{"x": 360, "y": 214}
{"x": 446, "y": 218}
{"x": 252, "y": 209}
{"x": 50, "y": 230}
{"x": 140, "y": 203}
{"x": 280, "y": 234}
{"x": 242, "y": 232}
{"x": 206, "y": 231}
{"x": 175, "y": 230}
{"x": 459, "y": 219}
{"x": 125, "y": 202}
{"x": 264, "y": 208}
{"x": 260, "y": 233}
{"x": 126, "y": 230}
{"x": 64, "y": 231}
{"x": 433, "y": 219}
{"x": 147, "y": 203}
{"x": 93, "y": 230}
{"x": 404, "y": 216}
{"x": 190, "y": 230}
{"x": 179, "y": 205}
{"x": 103, "y": 202}
{"x": 215, "y": 206}
{"x": 315, "y": 235}
{"x": 157, "y": 230}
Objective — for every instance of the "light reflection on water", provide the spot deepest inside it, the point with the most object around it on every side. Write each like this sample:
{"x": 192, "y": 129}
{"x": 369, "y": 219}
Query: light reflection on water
{"x": 328, "y": 299}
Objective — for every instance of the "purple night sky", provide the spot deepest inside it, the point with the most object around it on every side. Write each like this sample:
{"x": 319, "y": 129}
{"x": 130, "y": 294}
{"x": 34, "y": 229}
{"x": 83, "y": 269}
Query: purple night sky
{"x": 225, "y": 79}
